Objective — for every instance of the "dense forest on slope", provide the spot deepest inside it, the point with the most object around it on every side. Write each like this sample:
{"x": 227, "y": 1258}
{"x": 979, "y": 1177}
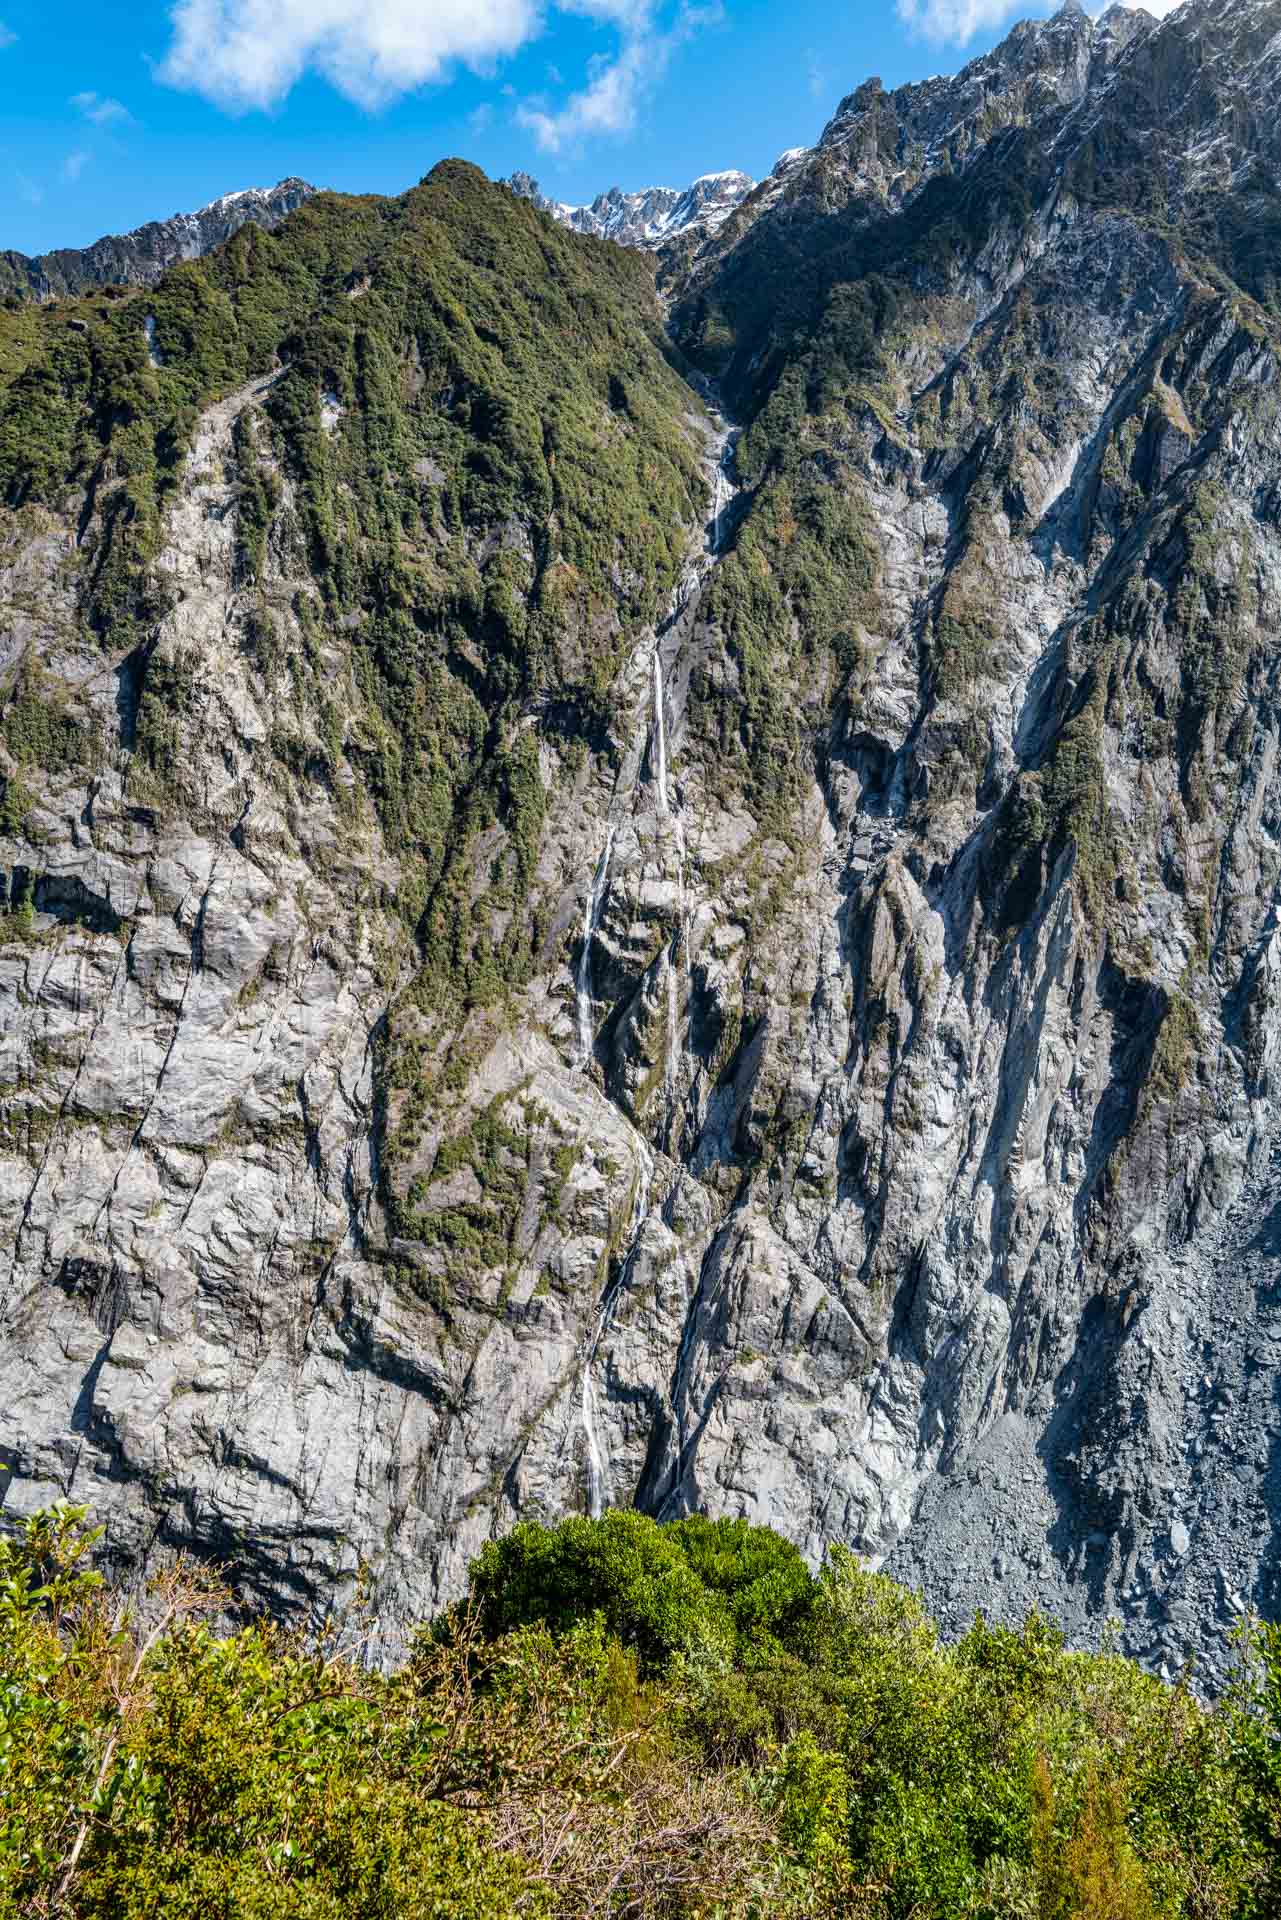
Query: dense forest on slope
{"x": 618, "y": 1719}
{"x": 525, "y": 349}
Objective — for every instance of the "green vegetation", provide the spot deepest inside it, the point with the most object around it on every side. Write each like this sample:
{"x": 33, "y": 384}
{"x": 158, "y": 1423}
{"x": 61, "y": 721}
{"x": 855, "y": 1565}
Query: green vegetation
{"x": 15, "y": 803}
{"x": 260, "y": 494}
{"x": 491, "y": 478}
{"x": 37, "y": 729}
{"x": 790, "y": 601}
{"x": 475, "y": 1236}
{"x": 464, "y": 482}
{"x": 622, "y": 1719}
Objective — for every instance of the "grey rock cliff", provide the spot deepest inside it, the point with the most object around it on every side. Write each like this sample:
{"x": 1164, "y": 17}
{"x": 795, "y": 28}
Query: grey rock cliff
{"x": 896, "y": 1165}
{"x": 139, "y": 258}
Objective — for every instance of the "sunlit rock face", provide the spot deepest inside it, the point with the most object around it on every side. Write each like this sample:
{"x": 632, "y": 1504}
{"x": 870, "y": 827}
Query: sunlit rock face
{"x": 652, "y": 217}
{"x": 139, "y": 258}
{"x": 876, "y": 1131}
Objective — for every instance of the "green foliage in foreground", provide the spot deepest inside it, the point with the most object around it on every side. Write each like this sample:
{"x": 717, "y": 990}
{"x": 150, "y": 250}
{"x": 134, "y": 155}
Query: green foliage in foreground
{"x": 622, "y": 1719}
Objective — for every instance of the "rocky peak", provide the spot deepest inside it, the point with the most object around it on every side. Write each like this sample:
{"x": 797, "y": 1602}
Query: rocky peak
{"x": 889, "y": 144}
{"x": 141, "y": 257}
{"x": 651, "y": 217}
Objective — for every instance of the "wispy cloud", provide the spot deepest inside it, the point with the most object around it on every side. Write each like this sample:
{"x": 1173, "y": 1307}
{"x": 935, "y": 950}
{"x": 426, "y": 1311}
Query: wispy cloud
{"x": 7, "y": 36}
{"x": 957, "y": 20}
{"x": 247, "y": 54}
{"x": 960, "y": 20}
{"x": 103, "y": 112}
{"x": 74, "y": 165}
{"x": 633, "y": 16}
{"x": 243, "y": 54}
{"x": 611, "y": 101}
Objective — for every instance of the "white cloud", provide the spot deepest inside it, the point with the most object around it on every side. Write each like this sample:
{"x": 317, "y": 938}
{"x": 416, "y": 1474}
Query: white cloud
{"x": 244, "y": 54}
{"x": 956, "y": 20}
{"x": 633, "y": 16}
{"x": 607, "y": 104}
{"x": 102, "y": 112}
{"x": 960, "y": 20}
{"x": 611, "y": 100}
{"x": 74, "y": 165}
{"x": 250, "y": 53}
{"x": 7, "y": 35}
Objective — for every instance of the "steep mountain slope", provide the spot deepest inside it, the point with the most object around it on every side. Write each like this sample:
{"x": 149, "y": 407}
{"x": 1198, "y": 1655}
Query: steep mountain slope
{"x": 563, "y": 953}
{"x": 283, "y": 718}
{"x": 653, "y": 217}
{"x": 138, "y": 259}
{"x": 1036, "y": 359}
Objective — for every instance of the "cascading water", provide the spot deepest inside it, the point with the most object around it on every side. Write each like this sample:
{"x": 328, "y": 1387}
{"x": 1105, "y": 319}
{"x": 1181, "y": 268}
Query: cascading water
{"x": 597, "y": 1475}
{"x": 673, "y": 1023}
{"x": 724, "y": 491}
{"x": 591, "y": 923}
{"x": 598, "y": 1481}
{"x": 718, "y": 508}
{"x": 670, "y": 1076}
{"x": 660, "y": 734}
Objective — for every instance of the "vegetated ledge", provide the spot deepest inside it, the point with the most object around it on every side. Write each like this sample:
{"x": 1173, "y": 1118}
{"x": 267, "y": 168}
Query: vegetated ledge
{"x": 620, "y": 1719}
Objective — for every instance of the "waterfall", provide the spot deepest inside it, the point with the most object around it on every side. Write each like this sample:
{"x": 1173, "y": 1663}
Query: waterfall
{"x": 723, "y": 492}
{"x": 591, "y": 922}
{"x": 598, "y": 1482}
{"x": 597, "y": 1478}
{"x": 660, "y": 734}
{"x": 665, "y": 812}
{"x": 686, "y": 591}
{"x": 673, "y": 1021}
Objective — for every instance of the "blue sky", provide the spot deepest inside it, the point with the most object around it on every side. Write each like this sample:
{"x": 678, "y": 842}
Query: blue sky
{"x": 115, "y": 114}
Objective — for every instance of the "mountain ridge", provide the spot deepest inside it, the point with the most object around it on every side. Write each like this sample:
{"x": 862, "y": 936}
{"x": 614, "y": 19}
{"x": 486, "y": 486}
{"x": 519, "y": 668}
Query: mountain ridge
{"x": 140, "y": 257}
{"x": 650, "y": 217}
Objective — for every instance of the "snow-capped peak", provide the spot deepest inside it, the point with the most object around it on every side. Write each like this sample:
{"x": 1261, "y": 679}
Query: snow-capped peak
{"x": 651, "y": 217}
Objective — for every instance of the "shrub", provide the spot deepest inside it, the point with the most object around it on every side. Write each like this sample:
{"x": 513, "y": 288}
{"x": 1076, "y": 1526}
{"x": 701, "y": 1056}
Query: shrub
{"x": 671, "y": 1723}
{"x": 704, "y": 1591}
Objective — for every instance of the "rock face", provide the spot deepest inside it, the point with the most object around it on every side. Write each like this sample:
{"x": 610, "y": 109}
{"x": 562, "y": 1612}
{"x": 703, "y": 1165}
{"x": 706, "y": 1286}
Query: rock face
{"x": 652, "y": 218}
{"x": 138, "y": 259}
{"x": 827, "y": 1069}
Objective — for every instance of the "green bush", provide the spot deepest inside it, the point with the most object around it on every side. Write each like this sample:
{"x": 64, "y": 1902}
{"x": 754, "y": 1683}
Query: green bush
{"x": 703, "y": 1591}
{"x": 672, "y": 1722}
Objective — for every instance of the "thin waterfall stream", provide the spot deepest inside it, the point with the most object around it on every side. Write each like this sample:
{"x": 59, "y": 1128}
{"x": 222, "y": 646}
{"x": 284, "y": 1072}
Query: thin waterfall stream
{"x": 660, "y": 732}
{"x": 598, "y": 1480}
{"x": 677, "y": 945}
{"x": 724, "y": 490}
{"x": 591, "y": 921}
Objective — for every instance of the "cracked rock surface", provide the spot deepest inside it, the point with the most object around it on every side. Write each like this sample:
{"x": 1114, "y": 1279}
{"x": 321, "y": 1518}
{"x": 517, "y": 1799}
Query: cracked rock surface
{"x": 918, "y": 1186}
